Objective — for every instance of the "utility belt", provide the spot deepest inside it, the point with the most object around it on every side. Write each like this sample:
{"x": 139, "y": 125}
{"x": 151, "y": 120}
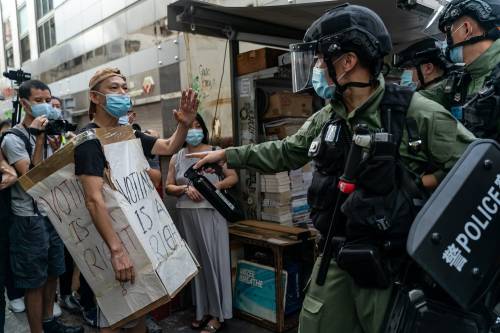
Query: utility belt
{"x": 370, "y": 265}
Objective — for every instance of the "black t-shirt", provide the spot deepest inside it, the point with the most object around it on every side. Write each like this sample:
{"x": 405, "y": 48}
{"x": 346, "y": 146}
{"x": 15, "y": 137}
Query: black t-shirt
{"x": 89, "y": 156}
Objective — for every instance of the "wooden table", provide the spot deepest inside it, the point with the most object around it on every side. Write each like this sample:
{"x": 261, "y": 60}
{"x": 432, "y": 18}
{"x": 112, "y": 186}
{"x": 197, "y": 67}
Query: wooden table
{"x": 277, "y": 238}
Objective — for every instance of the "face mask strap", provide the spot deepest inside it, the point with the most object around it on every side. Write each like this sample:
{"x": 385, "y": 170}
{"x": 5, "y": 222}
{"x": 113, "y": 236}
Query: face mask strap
{"x": 468, "y": 41}
{"x": 333, "y": 75}
{"x": 420, "y": 76}
{"x": 100, "y": 93}
{"x": 341, "y": 88}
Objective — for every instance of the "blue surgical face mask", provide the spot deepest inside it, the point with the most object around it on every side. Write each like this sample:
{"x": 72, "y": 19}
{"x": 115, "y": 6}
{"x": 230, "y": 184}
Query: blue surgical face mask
{"x": 42, "y": 109}
{"x": 194, "y": 136}
{"x": 54, "y": 113}
{"x": 320, "y": 84}
{"x": 123, "y": 120}
{"x": 457, "y": 54}
{"x": 407, "y": 79}
{"x": 117, "y": 105}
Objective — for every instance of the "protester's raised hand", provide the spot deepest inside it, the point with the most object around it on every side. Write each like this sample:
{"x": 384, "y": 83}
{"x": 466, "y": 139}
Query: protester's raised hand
{"x": 187, "y": 108}
{"x": 216, "y": 156}
{"x": 122, "y": 265}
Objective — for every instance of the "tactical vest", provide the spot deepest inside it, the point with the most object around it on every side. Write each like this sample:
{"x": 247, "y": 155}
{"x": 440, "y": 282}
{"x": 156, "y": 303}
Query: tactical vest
{"x": 480, "y": 113}
{"x": 370, "y": 209}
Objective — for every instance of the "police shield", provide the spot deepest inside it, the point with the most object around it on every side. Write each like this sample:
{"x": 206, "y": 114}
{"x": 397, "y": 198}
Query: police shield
{"x": 456, "y": 236}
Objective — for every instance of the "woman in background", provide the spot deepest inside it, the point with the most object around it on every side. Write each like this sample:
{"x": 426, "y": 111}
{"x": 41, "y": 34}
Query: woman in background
{"x": 206, "y": 232}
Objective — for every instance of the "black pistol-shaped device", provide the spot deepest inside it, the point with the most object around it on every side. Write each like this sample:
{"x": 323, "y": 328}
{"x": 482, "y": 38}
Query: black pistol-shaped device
{"x": 222, "y": 201}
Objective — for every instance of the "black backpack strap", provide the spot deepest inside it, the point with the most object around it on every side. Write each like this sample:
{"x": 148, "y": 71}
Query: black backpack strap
{"x": 27, "y": 144}
{"x": 394, "y": 108}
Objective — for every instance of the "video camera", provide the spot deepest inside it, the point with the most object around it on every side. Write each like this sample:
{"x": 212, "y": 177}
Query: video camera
{"x": 18, "y": 76}
{"x": 59, "y": 126}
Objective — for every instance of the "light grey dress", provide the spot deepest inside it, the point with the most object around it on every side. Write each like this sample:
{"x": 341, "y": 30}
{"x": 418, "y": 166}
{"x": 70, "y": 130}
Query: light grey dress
{"x": 207, "y": 235}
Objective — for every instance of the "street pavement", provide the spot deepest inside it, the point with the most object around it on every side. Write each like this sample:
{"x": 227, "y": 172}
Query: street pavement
{"x": 178, "y": 322}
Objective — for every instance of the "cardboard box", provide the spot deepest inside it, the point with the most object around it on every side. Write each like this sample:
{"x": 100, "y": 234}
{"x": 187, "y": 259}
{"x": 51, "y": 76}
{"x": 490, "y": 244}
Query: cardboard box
{"x": 289, "y": 105}
{"x": 163, "y": 263}
{"x": 256, "y": 60}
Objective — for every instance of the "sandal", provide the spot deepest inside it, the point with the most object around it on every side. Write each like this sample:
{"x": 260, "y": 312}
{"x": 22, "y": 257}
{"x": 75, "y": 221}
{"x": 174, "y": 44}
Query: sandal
{"x": 202, "y": 323}
{"x": 212, "y": 329}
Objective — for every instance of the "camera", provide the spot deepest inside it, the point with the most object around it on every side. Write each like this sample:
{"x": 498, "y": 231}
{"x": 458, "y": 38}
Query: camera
{"x": 18, "y": 76}
{"x": 59, "y": 126}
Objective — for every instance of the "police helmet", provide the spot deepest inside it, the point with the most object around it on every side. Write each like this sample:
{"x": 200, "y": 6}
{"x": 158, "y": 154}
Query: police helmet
{"x": 345, "y": 28}
{"x": 427, "y": 50}
{"x": 485, "y": 12}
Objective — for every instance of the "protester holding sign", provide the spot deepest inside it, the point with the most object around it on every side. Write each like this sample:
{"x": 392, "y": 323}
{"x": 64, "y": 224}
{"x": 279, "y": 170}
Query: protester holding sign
{"x": 110, "y": 101}
{"x": 206, "y": 232}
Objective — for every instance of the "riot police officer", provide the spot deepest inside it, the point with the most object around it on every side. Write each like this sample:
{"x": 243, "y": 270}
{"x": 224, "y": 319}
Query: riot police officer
{"x": 472, "y": 29}
{"x": 342, "y": 56}
{"x": 423, "y": 64}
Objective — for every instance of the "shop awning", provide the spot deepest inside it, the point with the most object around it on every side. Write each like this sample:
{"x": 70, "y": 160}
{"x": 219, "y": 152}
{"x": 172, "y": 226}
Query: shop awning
{"x": 281, "y": 25}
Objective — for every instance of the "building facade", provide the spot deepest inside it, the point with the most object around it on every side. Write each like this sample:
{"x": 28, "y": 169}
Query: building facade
{"x": 63, "y": 42}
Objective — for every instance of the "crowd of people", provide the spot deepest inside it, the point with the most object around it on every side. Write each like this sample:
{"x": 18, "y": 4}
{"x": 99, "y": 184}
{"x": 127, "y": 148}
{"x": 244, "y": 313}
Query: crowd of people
{"x": 433, "y": 114}
{"x": 35, "y": 263}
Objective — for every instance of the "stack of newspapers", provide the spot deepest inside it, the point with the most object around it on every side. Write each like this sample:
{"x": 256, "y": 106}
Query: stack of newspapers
{"x": 276, "y": 198}
{"x": 300, "y": 182}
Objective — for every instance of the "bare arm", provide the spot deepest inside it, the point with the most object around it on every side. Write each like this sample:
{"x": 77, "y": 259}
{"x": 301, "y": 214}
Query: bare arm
{"x": 155, "y": 176}
{"x": 39, "y": 147}
{"x": 171, "y": 145}
{"x": 430, "y": 182}
{"x": 177, "y": 190}
{"x": 170, "y": 186}
{"x": 230, "y": 178}
{"x": 39, "y": 123}
{"x": 122, "y": 265}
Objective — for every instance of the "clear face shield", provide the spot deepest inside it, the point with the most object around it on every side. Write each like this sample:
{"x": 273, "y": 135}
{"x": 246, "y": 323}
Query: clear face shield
{"x": 431, "y": 28}
{"x": 303, "y": 57}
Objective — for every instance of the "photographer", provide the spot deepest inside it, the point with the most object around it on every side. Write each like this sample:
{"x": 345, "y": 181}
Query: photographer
{"x": 110, "y": 101}
{"x": 36, "y": 251}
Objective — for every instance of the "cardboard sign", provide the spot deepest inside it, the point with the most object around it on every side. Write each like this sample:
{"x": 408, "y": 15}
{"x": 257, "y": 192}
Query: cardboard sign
{"x": 163, "y": 263}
